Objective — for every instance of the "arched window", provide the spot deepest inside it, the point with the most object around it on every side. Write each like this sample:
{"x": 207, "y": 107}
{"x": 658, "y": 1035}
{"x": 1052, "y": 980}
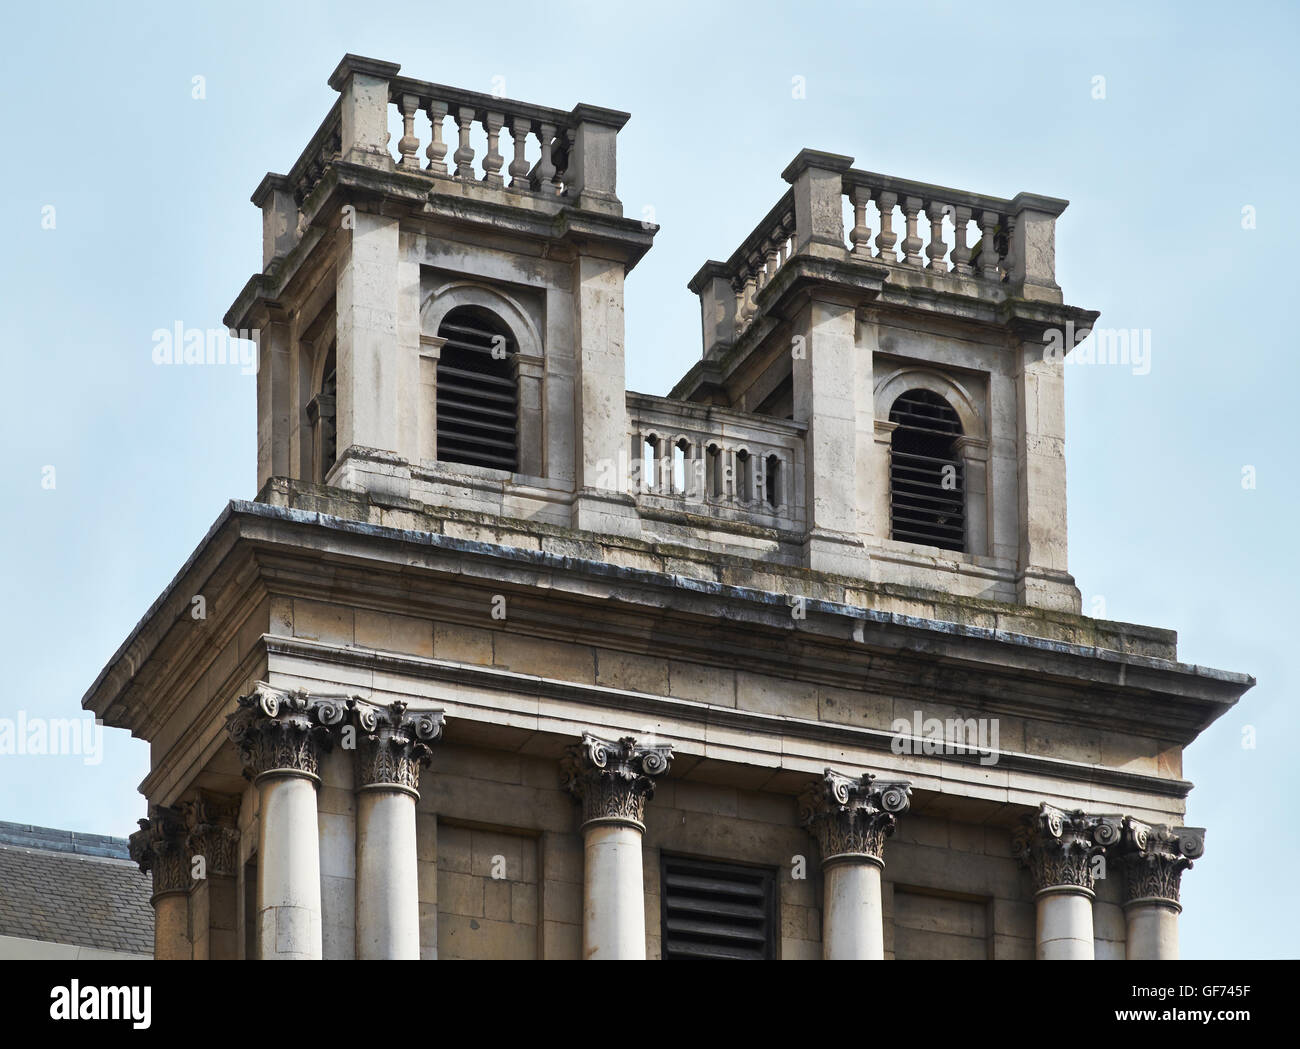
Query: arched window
{"x": 927, "y": 490}
{"x": 478, "y": 390}
{"x": 321, "y": 412}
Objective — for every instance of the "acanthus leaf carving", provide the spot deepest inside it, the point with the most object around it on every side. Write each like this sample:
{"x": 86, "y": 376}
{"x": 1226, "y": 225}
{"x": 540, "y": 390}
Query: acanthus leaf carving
{"x": 1058, "y": 846}
{"x": 852, "y": 816}
{"x": 159, "y": 848}
{"x": 394, "y": 744}
{"x": 279, "y": 731}
{"x": 613, "y": 779}
{"x": 1154, "y": 858}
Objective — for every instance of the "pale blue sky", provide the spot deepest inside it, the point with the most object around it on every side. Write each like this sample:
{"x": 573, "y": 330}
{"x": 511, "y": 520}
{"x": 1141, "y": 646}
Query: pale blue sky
{"x": 153, "y": 226}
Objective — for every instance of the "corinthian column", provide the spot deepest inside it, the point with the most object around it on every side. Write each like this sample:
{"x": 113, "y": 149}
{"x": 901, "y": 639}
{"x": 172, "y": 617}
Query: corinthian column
{"x": 280, "y": 736}
{"x": 612, "y": 780}
{"x": 851, "y": 818}
{"x": 1058, "y": 848}
{"x": 159, "y": 848}
{"x": 1154, "y": 859}
{"x": 392, "y": 746}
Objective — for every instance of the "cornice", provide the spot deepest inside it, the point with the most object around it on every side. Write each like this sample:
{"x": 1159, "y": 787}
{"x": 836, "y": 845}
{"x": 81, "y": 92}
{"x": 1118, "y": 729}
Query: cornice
{"x": 1194, "y": 696}
{"x": 652, "y": 708}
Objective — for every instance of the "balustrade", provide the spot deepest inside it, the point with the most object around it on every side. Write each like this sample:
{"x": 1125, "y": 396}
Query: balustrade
{"x": 546, "y": 133}
{"x": 715, "y": 461}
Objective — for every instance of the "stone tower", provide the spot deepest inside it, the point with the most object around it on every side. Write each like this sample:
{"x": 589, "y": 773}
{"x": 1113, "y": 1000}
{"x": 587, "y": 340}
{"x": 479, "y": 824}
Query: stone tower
{"x": 506, "y": 661}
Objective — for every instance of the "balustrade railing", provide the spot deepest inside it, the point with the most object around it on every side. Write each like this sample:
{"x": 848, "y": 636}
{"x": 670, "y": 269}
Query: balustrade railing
{"x": 552, "y": 130}
{"x": 981, "y": 227}
{"x": 760, "y": 255}
{"x": 321, "y": 151}
{"x": 715, "y": 461}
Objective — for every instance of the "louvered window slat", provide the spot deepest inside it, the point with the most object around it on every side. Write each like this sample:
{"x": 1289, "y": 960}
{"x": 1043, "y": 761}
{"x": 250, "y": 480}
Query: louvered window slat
{"x": 478, "y": 392}
{"x": 716, "y": 910}
{"x": 923, "y": 454}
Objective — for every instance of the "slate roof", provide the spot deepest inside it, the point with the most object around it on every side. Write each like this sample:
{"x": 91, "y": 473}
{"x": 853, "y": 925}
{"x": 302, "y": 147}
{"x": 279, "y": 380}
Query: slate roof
{"x": 63, "y": 887}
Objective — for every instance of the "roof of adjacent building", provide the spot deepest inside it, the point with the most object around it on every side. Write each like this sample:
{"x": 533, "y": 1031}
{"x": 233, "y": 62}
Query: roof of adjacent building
{"x": 60, "y": 886}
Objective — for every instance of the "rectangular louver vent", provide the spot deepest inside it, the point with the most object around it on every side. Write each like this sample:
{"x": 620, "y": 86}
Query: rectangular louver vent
{"x": 717, "y": 910}
{"x": 477, "y": 400}
{"x": 927, "y": 501}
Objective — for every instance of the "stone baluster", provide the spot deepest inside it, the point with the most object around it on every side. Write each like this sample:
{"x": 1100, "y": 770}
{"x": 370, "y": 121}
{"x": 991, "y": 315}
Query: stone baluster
{"x": 697, "y": 483}
{"x": 492, "y": 163}
{"x": 787, "y": 235}
{"x": 988, "y": 246}
{"x": 544, "y": 172}
{"x": 1009, "y": 256}
{"x": 464, "y": 155}
{"x": 159, "y": 847}
{"x": 280, "y": 736}
{"x": 437, "y": 147}
{"x": 612, "y": 782}
{"x": 912, "y": 239}
{"x": 564, "y": 142}
{"x": 860, "y": 235}
{"x": 936, "y": 249}
{"x": 1058, "y": 848}
{"x": 886, "y": 238}
{"x": 664, "y": 465}
{"x": 741, "y": 320}
{"x": 730, "y": 482}
{"x": 408, "y": 145}
{"x": 392, "y": 746}
{"x": 1153, "y": 860}
{"x": 851, "y": 818}
{"x": 961, "y": 266}
{"x": 519, "y": 129}
{"x": 751, "y": 287}
{"x": 772, "y": 250}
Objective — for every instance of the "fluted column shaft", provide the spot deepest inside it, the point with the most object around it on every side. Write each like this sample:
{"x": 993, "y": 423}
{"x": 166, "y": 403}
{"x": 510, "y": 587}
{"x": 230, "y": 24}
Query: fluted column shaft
{"x": 612, "y": 780}
{"x": 851, "y": 818}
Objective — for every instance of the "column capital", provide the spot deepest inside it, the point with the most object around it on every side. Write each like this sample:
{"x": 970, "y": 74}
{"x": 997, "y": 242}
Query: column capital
{"x": 394, "y": 744}
{"x": 613, "y": 779}
{"x": 159, "y": 847}
{"x": 852, "y": 816}
{"x": 1058, "y": 846}
{"x": 212, "y": 831}
{"x": 1154, "y": 858}
{"x": 282, "y": 733}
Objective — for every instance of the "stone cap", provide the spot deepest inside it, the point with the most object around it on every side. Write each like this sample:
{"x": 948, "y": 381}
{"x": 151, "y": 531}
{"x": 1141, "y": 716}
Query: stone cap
{"x": 589, "y": 114}
{"x": 269, "y": 184}
{"x": 815, "y": 158}
{"x": 709, "y": 271}
{"x": 1037, "y": 202}
{"x": 351, "y": 63}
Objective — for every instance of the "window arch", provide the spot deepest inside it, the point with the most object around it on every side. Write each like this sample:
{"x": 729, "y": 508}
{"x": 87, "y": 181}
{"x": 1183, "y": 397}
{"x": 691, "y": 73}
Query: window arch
{"x": 478, "y": 390}
{"x": 927, "y": 503}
